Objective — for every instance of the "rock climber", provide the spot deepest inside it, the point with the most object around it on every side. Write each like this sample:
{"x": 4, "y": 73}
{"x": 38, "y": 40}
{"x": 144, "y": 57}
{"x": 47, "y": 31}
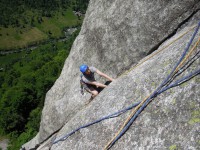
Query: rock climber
{"x": 88, "y": 81}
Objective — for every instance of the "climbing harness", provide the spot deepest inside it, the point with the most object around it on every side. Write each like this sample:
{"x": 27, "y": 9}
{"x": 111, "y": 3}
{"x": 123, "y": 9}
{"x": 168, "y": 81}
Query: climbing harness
{"x": 82, "y": 85}
{"x": 165, "y": 85}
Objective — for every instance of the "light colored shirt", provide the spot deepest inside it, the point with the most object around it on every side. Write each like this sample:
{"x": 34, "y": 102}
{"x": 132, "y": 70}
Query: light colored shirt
{"x": 89, "y": 78}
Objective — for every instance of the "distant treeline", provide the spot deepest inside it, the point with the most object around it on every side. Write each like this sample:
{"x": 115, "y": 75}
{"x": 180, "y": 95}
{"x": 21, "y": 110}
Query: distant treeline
{"x": 20, "y": 12}
{"x": 24, "y": 81}
{"x": 25, "y": 77}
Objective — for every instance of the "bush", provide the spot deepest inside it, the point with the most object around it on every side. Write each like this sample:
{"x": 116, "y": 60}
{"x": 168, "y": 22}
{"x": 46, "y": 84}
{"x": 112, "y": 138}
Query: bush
{"x": 20, "y": 140}
{"x": 23, "y": 89}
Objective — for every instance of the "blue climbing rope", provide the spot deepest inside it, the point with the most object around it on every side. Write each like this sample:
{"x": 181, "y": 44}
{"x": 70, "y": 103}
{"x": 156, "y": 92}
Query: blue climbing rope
{"x": 149, "y": 99}
{"x": 183, "y": 55}
{"x": 160, "y": 89}
{"x": 116, "y": 114}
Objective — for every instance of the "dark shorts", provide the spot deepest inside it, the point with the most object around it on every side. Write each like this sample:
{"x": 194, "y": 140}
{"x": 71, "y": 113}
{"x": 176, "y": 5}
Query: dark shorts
{"x": 89, "y": 87}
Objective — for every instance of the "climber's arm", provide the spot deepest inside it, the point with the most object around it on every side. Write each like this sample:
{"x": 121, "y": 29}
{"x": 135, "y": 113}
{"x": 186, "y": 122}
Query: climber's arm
{"x": 104, "y": 75}
{"x": 97, "y": 84}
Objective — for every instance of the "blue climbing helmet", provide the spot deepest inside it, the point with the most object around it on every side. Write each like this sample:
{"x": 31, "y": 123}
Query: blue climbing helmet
{"x": 83, "y": 68}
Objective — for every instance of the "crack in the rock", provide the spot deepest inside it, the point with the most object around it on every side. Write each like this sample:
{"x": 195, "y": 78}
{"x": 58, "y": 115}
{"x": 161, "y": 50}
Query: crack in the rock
{"x": 53, "y": 135}
{"x": 173, "y": 32}
{"x": 150, "y": 51}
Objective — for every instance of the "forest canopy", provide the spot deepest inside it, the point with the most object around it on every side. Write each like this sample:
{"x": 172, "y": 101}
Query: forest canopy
{"x": 20, "y": 12}
{"x": 26, "y": 76}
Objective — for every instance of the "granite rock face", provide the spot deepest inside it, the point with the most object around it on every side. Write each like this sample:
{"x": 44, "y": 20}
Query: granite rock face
{"x": 170, "y": 121}
{"x": 116, "y": 35}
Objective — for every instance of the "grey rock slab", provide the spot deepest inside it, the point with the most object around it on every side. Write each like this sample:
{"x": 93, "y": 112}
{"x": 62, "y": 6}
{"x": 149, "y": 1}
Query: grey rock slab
{"x": 169, "y": 121}
{"x": 115, "y": 35}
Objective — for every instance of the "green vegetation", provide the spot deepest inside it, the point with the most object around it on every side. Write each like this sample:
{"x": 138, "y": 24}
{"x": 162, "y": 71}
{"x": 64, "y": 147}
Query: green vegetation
{"x": 25, "y": 79}
{"x": 195, "y": 117}
{"x": 173, "y": 147}
{"x": 15, "y": 37}
{"x": 24, "y": 23}
{"x": 26, "y": 76}
{"x": 27, "y": 12}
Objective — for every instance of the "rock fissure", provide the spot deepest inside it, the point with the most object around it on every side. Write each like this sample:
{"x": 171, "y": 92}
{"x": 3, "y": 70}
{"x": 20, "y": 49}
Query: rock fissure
{"x": 173, "y": 32}
{"x": 188, "y": 65}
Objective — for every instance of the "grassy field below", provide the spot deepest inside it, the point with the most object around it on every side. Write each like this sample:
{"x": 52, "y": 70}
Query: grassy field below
{"x": 49, "y": 27}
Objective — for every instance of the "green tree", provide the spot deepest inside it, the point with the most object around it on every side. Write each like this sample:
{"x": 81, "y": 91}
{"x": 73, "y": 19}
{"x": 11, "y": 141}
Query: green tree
{"x": 15, "y": 107}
